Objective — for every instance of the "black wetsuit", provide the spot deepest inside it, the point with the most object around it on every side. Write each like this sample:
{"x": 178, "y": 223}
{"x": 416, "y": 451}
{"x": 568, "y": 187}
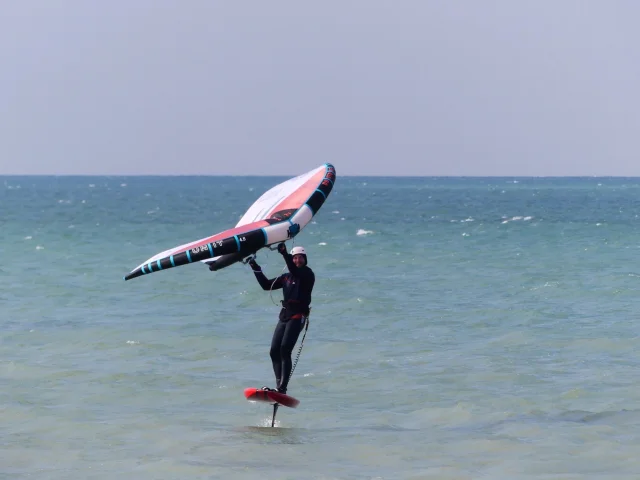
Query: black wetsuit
{"x": 296, "y": 286}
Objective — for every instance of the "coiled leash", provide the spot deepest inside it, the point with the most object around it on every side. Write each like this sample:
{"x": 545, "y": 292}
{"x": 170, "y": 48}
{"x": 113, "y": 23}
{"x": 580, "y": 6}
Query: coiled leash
{"x": 306, "y": 327}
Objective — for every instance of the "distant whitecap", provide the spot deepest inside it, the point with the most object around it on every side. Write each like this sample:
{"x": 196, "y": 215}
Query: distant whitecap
{"x": 516, "y": 218}
{"x": 92, "y": 185}
{"x": 362, "y": 231}
{"x": 336, "y": 211}
{"x": 28, "y": 237}
{"x": 322, "y": 243}
{"x": 39, "y": 247}
{"x": 132, "y": 342}
{"x": 123, "y": 184}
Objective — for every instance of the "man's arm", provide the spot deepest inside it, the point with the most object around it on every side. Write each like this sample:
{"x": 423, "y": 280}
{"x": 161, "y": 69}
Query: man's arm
{"x": 288, "y": 259}
{"x": 265, "y": 283}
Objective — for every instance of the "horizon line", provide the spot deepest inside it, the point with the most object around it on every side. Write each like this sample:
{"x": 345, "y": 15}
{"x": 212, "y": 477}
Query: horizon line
{"x": 204, "y": 175}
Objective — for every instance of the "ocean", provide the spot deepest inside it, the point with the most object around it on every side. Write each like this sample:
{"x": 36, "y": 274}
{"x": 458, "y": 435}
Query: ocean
{"x": 461, "y": 328}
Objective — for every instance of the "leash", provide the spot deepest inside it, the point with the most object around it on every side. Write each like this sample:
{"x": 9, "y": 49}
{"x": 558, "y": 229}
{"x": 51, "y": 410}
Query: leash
{"x": 306, "y": 327}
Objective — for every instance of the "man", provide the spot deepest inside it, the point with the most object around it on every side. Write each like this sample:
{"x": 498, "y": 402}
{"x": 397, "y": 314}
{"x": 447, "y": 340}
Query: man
{"x": 296, "y": 287}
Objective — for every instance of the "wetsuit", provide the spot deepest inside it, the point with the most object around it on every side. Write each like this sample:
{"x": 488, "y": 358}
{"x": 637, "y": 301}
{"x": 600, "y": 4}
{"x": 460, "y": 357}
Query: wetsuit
{"x": 296, "y": 287}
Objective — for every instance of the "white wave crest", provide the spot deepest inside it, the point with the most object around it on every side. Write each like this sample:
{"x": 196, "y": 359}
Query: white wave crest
{"x": 362, "y": 231}
{"x": 516, "y": 219}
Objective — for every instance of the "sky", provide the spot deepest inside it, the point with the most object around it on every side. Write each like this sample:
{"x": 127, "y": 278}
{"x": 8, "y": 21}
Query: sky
{"x": 407, "y": 87}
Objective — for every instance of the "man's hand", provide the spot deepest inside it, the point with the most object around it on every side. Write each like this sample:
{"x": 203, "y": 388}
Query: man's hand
{"x": 254, "y": 266}
{"x": 282, "y": 248}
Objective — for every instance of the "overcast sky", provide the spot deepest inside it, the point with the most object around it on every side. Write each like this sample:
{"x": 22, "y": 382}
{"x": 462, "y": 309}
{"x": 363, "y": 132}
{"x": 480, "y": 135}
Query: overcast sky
{"x": 376, "y": 87}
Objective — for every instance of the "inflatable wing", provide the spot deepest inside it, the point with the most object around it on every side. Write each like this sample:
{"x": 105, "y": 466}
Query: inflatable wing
{"x": 278, "y": 215}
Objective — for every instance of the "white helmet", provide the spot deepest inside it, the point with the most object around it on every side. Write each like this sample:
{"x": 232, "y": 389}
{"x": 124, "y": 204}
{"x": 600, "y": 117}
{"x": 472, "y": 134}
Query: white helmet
{"x": 298, "y": 251}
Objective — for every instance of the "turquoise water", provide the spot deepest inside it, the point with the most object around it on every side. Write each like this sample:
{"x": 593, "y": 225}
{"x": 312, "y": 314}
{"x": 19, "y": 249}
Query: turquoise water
{"x": 462, "y": 328}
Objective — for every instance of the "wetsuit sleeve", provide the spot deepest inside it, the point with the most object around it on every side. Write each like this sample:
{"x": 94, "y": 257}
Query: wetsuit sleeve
{"x": 288, "y": 259}
{"x": 268, "y": 283}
